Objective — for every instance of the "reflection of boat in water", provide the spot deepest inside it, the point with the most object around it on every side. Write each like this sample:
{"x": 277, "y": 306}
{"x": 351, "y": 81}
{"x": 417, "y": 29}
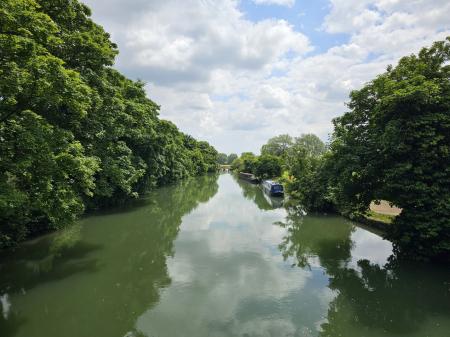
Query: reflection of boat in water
{"x": 255, "y": 193}
{"x": 275, "y": 202}
{"x": 249, "y": 177}
{"x": 273, "y": 188}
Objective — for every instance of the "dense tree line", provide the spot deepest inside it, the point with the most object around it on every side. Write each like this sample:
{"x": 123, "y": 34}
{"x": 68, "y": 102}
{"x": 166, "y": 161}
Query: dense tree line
{"x": 263, "y": 166}
{"x": 224, "y": 159}
{"x": 393, "y": 144}
{"x": 281, "y": 154}
{"x": 74, "y": 132}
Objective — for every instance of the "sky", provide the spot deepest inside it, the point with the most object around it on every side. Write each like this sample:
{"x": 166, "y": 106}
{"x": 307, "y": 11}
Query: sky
{"x": 238, "y": 72}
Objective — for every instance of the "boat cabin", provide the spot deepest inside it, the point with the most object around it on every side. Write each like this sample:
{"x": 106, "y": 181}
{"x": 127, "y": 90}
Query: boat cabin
{"x": 273, "y": 188}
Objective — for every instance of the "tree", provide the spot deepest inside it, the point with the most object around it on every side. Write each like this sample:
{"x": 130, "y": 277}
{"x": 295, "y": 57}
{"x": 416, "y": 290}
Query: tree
{"x": 209, "y": 154}
{"x": 231, "y": 158}
{"x": 42, "y": 185}
{"x": 267, "y": 166}
{"x": 307, "y": 164}
{"x": 312, "y": 144}
{"x": 222, "y": 158}
{"x": 277, "y": 146}
{"x": 394, "y": 144}
{"x": 245, "y": 163}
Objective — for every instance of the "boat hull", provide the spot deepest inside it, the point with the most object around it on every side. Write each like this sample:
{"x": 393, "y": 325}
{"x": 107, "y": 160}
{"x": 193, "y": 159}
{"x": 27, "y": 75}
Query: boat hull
{"x": 249, "y": 177}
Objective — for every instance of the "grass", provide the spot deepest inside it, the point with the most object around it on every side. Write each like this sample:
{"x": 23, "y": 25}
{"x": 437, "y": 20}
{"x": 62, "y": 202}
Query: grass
{"x": 380, "y": 217}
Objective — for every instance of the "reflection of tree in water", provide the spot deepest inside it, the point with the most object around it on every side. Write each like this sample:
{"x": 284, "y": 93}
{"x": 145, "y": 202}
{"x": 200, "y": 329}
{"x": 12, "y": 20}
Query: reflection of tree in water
{"x": 123, "y": 256}
{"x": 41, "y": 261}
{"x": 397, "y": 298}
{"x": 308, "y": 237}
{"x": 48, "y": 259}
{"x": 254, "y": 193}
{"x": 9, "y": 321}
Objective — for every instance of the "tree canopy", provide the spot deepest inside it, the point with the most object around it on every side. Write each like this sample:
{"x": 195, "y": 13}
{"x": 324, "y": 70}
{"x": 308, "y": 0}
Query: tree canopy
{"x": 75, "y": 133}
{"x": 222, "y": 158}
{"x": 267, "y": 166}
{"x": 231, "y": 158}
{"x": 394, "y": 144}
{"x": 277, "y": 146}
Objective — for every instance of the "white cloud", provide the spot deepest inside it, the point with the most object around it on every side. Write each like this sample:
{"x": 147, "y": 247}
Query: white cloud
{"x": 390, "y": 28}
{"x": 273, "y": 97}
{"x": 235, "y": 83}
{"x": 173, "y": 42}
{"x": 288, "y": 3}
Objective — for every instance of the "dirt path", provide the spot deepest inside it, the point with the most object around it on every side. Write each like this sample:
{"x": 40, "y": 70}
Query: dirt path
{"x": 385, "y": 208}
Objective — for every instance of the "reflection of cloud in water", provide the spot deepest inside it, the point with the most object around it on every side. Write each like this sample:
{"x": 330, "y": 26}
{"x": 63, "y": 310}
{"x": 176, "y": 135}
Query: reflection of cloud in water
{"x": 262, "y": 327}
{"x": 234, "y": 223}
{"x": 219, "y": 290}
{"x": 233, "y": 213}
{"x": 228, "y": 277}
{"x": 369, "y": 246}
{"x": 5, "y": 305}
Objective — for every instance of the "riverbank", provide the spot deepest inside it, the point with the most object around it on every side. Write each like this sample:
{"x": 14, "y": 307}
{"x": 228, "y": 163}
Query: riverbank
{"x": 379, "y": 217}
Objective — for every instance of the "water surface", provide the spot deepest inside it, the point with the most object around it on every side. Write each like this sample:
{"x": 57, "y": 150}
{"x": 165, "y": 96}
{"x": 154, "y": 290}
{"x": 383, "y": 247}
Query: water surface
{"x": 215, "y": 256}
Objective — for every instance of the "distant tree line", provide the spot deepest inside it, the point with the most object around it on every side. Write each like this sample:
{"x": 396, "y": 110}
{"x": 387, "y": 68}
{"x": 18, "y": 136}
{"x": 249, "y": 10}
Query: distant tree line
{"x": 75, "y": 134}
{"x": 224, "y": 159}
{"x": 282, "y": 154}
{"x": 263, "y": 166}
{"x": 393, "y": 144}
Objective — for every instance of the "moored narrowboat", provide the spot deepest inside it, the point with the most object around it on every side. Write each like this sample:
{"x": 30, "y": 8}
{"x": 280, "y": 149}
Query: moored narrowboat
{"x": 249, "y": 177}
{"x": 273, "y": 188}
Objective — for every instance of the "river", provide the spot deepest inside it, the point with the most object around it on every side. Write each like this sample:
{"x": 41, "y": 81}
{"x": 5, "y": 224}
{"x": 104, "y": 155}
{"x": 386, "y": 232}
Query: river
{"x": 214, "y": 256}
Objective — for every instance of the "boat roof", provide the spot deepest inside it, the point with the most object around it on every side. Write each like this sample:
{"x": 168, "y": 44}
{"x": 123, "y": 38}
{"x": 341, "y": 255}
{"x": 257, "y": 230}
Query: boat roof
{"x": 271, "y": 182}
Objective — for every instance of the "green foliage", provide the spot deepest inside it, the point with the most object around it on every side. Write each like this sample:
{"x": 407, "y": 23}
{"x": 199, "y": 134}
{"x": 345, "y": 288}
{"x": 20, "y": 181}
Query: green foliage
{"x": 222, "y": 159}
{"x": 312, "y": 144}
{"x": 231, "y": 158}
{"x": 245, "y": 163}
{"x": 394, "y": 144}
{"x": 267, "y": 166}
{"x": 73, "y": 131}
{"x": 386, "y": 218}
{"x": 306, "y": 161}
{"x": 277, "y": 146}
{"x": 44, "y": 174}
{"x": 209, "y": 154}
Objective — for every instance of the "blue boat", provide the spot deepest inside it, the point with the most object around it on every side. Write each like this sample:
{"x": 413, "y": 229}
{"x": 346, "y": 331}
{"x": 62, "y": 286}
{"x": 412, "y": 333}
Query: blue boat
{"x": 273, "y": 188}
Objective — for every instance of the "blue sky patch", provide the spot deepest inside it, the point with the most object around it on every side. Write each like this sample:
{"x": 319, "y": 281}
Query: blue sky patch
{"x": 305, "y": 16}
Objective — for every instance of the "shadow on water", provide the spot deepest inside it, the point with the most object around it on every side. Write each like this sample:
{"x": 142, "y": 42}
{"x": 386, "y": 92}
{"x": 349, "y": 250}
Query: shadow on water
{"x": 49, "y": 259}
{"x": 398, "y": 297}
{"x": 255, "y": 193}
{"x": 10, "y": 323}
{"x": 97, "y": 277}
{"x": 204, "y": 182}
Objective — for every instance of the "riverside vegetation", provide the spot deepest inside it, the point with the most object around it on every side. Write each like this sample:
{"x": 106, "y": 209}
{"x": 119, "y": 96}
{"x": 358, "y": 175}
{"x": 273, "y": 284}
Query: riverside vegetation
{"x": 75, "y": 134}
{"x": 393, "y": 144}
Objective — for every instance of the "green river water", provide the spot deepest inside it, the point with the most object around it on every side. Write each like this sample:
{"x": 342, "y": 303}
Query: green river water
{"x": 214, "y": 256}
